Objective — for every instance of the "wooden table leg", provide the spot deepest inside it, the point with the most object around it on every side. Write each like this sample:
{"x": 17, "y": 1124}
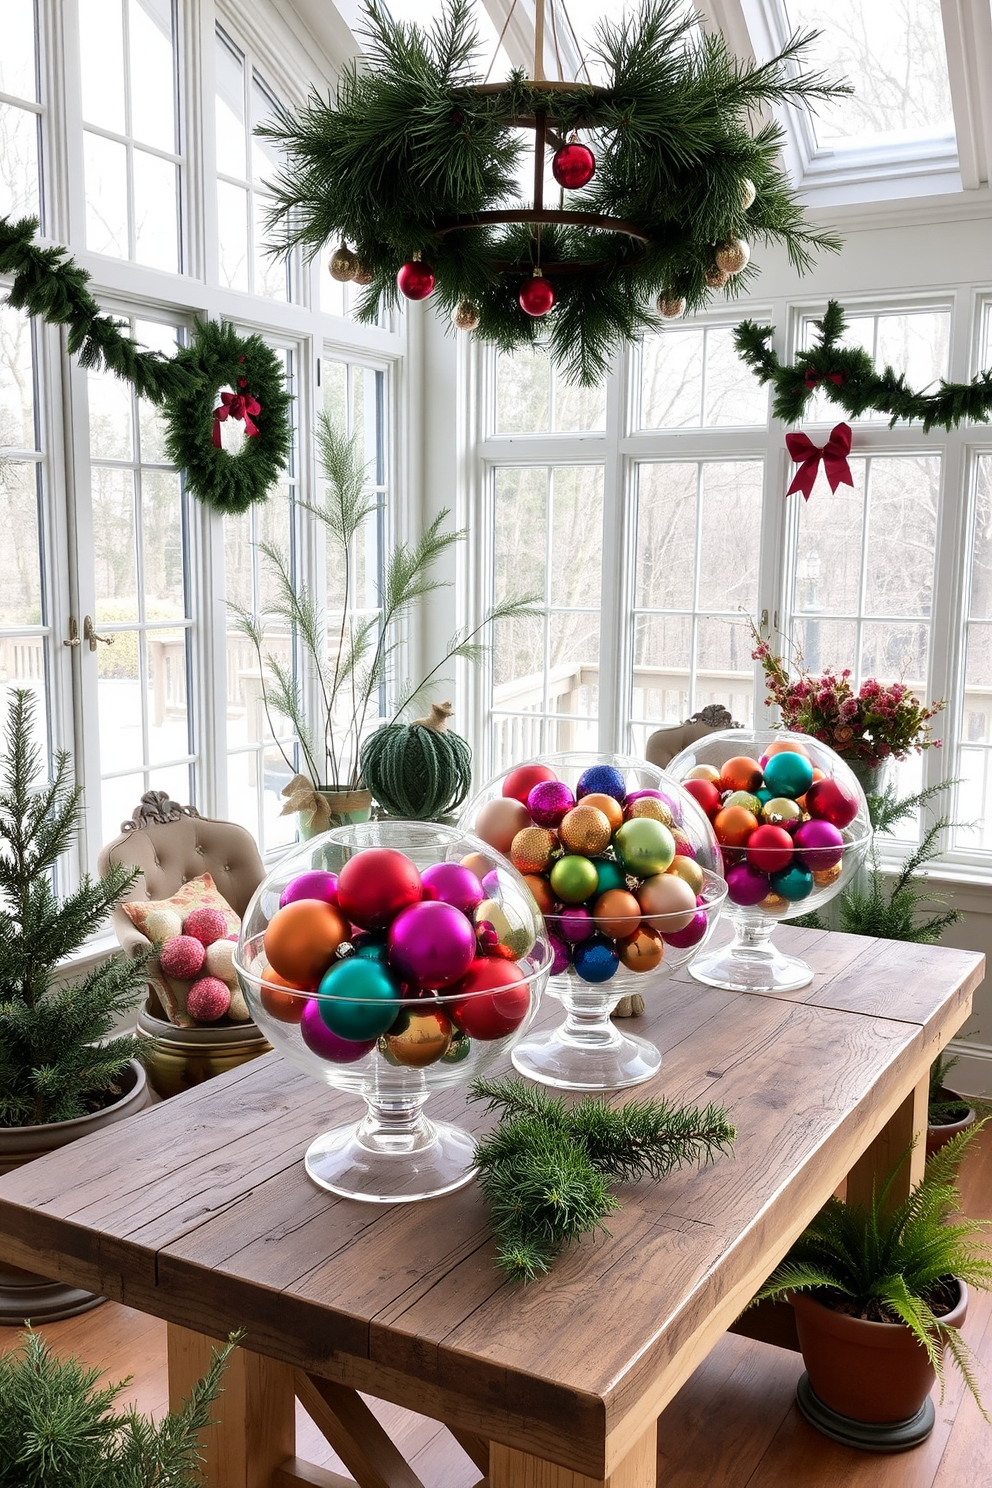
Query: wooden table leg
{"x": 255, "y": 1415}
{"x": 874, "y": 1166}
{"x": 510, "y": 1468}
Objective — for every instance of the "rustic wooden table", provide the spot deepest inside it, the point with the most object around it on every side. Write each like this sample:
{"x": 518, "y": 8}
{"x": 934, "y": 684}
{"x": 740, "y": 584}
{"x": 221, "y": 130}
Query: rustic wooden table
{"x": 199, "y": 1211}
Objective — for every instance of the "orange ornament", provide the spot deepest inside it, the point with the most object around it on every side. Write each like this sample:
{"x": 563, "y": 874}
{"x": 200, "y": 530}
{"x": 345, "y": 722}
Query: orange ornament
{"x": 786, "y": 746}
{"x": 478, "y": 864}
{"x": 280, "y": 999}
{"x": 643, "y": 950}
{"x": 532, "y": 849}
{"x": 616, "y": 913}
{"x": 301, "y": 939}
{"x": 542, "y": 891}
{"x": 608, "y": 805}
{"x": 734, "y": 825}
{"x": 741, "y": 773}
{"x": 704, "y": 772}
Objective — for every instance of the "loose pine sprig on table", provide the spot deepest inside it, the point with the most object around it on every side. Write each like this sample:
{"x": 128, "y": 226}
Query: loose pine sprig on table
{"x": 547, "y": 1168}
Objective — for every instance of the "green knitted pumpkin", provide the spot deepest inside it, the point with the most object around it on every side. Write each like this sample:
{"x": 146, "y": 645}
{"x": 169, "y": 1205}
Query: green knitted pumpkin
{"x": 419, "y": 771}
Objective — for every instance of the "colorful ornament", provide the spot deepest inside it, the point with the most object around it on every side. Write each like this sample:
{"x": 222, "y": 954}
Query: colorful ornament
{"x": 694, "y": 932}
{"x": 541, "y": 889}
{"x": 688, "y": 870}
{"x": 586, "y": 830}
{"x": 616, "y": 913}
{"x": 747, "y": 799}
{"x": 573, "y": 165}
{"x": 431, "y": 944}
{"x": 715, "y": 277}
{"x": 477, "y": 863}
{"x": 575, "y": 923}
{"x": 604, "y": 779}
{"x": 370, "y": 948}
{"x": 741, "y": 773}
{"x": 375, "y": 885}
{"x": 793, "y": 883}
{"x": 316, "y": 884}
{"x": 459, "y": 1048}
{"x": 301, "y": 939}
{"x": 651, "y": 808}
{"x": 491, "y": 1000}
{"x": 499, "y": 822}
{"x": 644, "y": 847}
{"x": 642, "y": 951}
{"x": 782, "y": 812}
{"x": 549, "y": 802}
{"x": 732, "y": 255}
{"x": 788, "y": 774}
{"x": 326, "y": 1044}
{"x": 281, "y": 1000}
{"x": 596, "y": 960}
{"x": 704, "y": 772}
{"x": 162, "y": 925}
{"x": 465, "y": 316}
{"x": 416, "y": 279}
{"x": 182, "y": 957}
{"x": 205, "y": 925}
{"x": 670, "y": 306}
{"x": 745, "y": 885}
{"x": 359, "y": 999}
{"x": 785, "y": 746}
{"x": 769, "y": 849}
{"x": 420, "y": 1036}
{"x": 521, "y": 781}
{"x": 454, "y": 885}
{"x": 828, "y": 800}
{"x": 342, "y": 265}
{"x": 733, "y": 825}
{"x": 532, "y": 850}
{"x": 574, "y": 878}
{"x": 561, "y": 956}
{"x": 208, "y": 999}
{"x": 706, "y": 793}
{"x": 667, "y": 902}
{"x": 609, "y": 875}
{"x": 608, "y": 805}
{"x": 519, "y": 938}
{"x": 819, "y": 844}
{"x": 536, "y": 296}
{"x": 824, "y": 877}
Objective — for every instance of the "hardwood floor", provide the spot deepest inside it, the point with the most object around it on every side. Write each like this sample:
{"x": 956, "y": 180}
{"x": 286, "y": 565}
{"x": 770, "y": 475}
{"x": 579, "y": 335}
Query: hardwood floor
{"x": 733, "y": 1425}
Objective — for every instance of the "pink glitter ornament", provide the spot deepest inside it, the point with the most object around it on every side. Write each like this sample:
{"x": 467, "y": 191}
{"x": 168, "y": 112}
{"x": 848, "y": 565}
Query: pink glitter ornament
{"x": 206, "y": 925}
{"x": 208, "y": 999}
{"x": 182, "y": 957}
{"x": 562, "y": 956}
{"x": 549, "y": 802}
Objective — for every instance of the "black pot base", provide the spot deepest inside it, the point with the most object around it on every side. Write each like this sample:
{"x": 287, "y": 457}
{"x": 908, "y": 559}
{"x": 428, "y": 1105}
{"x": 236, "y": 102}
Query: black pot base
{"x": 892, "y": 1436}
{"x": 43, "y": 1302}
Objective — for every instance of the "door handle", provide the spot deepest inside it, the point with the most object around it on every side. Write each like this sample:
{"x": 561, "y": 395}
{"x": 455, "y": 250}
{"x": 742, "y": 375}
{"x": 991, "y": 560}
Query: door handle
{"x": 89, "y": 634}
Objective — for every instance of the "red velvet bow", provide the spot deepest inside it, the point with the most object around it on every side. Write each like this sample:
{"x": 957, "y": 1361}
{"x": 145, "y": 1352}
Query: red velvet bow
{"x": 833, "y": 454}
{"x": 813, "y": 377}
{"x": 236, "y": 406}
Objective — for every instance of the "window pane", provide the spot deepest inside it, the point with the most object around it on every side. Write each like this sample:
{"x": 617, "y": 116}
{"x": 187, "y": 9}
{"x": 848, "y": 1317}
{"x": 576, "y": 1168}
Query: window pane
{"x": 733, "y": 394}
{"x": 155, "y": 215}
{"x": 671, "y": 379}
{"x": 974, "y": 795}
{"x": 901, "y": 538}
{"x": 119, "y": 699}
{"x": 828, "y": 568}
{"x": 106, "y": 195}
{"x": 518, "y": 663}
{"x": 119, "y": 797}
{"x": 110, "y": 403}
{"x": 20, "y": 551}
{"x": 18, "y": 162}
{"x": 521, "y": 525}
{"x": 17, "y": 422}
{"x": 232, "y": 233}
{"x": 114, "y": 553}
{"x": 230, "y": 114}
{"x": 153, "y": 73}
{"x": 730, "y": 532}
{"x": 265, "y": 157}
{"x": 662, "y": 655}
{"x": 270, "y": 272}
{"x": 166, "y": 702}
{"x": 162, "y": 532}
{"x": 578, "y": 408}
{"x": 666, "y": 532}
{"x": 724, "y": 669}
{"x": 101, "y": 58}
{"x": 576, "y": 536}
{"x": 18, "y": 76}
{"x": 523, "y": 392}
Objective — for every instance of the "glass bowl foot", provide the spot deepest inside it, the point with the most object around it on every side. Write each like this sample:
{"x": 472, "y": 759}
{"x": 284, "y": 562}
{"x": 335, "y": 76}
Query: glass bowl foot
{"x": 360, "y": 1163}
{"x": 554, "y": 1058}
{"x": 750, "y": 964}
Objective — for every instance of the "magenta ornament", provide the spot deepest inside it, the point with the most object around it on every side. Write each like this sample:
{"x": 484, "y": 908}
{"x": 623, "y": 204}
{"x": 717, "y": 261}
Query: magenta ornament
{"x": 549, "y": 802}
{"x": 575, "y": 923}
{"x": 326, "y": 1044}
{"x": 746, "y": 886}
{"x": 431, "y": 944}
{"x": 693, "y": 933}
{"x": 562, "y": 955}
{"x": 313, "y": 885}
{"x": 819, "y": 844}
{"x": 455, "y": 885}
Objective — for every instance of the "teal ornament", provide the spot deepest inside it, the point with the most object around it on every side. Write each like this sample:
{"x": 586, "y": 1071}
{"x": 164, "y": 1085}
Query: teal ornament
{"x": 359, "y": 999}
{"x": 459, "y": 1048}
{"x": 788, "y": 774}
{"x": 644, "y": 846}
{"x": 574, "y": 878}
{"x": 609, "y": 875}
{"x": 764, "y": 795}
{"x": 794, "y": 882}
{"x": 368, "y": 948}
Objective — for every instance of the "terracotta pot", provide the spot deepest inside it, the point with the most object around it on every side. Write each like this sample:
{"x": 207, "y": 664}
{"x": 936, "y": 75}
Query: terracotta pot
{"x": 939, "y": 1136}
{"x": 179, "y": 1058}
{"x": 25, "y": 1296}
{"x": 874, "y": 1372}
{"x": 347, "y": 807}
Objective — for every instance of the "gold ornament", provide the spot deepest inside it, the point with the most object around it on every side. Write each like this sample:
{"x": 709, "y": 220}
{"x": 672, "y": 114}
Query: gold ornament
{"x": 774, "y": 903}
{"x": 465, "y": 316}
{"x": 519, "y": 938}
{"x": 689, "y": 871}
{"x": 532, "y": 849}
{"x": 642, "y": 951}
{"x": 824, "y": 877}
{"x": 781, "y": 812}
{"x": 704, "y": 772}
{"x": 343, "y": 265}
{"x": 715, "y": 278}
{"x": 732, "y": 256}
{"x": 670, "y": 307}
{"x": 418, "y": 1038}
{"x": 748, "y": 193}
{"x": 586, "y": 830}
{"x": 362, "y": 275}
{"x": 652, "y": 808}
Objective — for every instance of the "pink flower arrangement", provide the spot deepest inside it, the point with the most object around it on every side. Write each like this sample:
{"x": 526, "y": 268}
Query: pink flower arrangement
{"x": 883, "y": 720}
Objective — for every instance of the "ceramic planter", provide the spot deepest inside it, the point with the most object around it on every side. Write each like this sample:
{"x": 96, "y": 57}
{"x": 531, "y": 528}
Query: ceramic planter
{"x": 178, "y": 1058}
{"x": 346, "y": 807}
{"x": 25, "y": 1296}
{"x": 939, "y": 1136}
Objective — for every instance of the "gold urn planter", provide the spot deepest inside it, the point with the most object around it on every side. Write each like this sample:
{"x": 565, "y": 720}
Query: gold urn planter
{"x": 179, "y": 1058}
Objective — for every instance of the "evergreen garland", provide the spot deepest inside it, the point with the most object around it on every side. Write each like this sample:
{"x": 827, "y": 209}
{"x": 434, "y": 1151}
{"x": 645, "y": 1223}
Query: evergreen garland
{"x": 409, "y": 142}
{"x": 49, "y": 284}
{"x": 547, "y": 1168}
{"x": 849, "y": 378}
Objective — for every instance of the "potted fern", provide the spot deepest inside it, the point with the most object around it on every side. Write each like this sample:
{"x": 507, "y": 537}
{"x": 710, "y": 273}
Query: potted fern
{"x": 348, "y": 655}
{"x": 879, "y": 1293}
{"x": 947, "y": 1113}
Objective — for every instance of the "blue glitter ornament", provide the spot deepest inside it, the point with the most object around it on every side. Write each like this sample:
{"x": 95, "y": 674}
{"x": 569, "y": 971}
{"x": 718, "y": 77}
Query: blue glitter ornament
{"x": 595, "y": 960}
{"x": 359, "y": 999}
{"x": 603, "y": 780}
{"x": 794, "y": 882}
{"x": 788, "y": 774}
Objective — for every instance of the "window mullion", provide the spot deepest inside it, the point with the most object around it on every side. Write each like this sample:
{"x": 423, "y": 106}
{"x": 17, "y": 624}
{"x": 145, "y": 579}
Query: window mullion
{"x": 617, "y": 573}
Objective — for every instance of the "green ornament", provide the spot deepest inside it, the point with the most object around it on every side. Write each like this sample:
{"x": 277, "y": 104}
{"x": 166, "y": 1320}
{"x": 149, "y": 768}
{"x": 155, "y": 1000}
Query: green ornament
{"x": 750, "y": 802}
{"x": 419, "y": 771}
{"x": 459, "y": 1048}
{"x": 794, "y": 882}
{"x": 609, "y": 875}
{"x": 575, "y": 879}
{"x": 644, "y": 846}
{"x": 788, "y": 774}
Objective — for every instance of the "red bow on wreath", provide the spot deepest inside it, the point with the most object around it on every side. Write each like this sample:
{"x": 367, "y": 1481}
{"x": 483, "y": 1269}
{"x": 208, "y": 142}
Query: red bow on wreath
{"x": 236, "y": 406}
{"x": 813, "y": 377}
{"x": 833, "y": 454}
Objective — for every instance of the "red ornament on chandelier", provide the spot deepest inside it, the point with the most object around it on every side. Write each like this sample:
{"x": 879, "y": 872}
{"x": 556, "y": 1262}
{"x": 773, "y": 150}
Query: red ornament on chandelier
{"x": 573, "y": 166}
{"x": 537, "y": 296}
{"x": 415, "y": 279}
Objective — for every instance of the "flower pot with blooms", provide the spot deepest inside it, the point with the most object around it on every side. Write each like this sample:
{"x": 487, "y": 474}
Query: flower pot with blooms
{"x": 880, "y": 722}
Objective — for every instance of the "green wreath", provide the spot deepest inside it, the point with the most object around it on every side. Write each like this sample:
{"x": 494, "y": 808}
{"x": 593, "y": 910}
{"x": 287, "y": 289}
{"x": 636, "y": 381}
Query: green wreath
{"x": 49, "y": 284}
{"x": 217, "y": 357}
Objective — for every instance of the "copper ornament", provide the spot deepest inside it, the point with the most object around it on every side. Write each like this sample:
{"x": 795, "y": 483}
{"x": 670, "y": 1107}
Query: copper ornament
{"x": 362, "y": 275}
{"x": 642, "y": 951}
{"x": 419, "y": 1038}
{"x": 824, "y": 877}
{"x": 608, "y": 805}
{"x": 532, "y": 849}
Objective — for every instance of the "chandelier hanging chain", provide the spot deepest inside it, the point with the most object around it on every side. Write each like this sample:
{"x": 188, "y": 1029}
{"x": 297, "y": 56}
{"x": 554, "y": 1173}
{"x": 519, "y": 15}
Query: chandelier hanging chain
{"x": 499, "y": 40}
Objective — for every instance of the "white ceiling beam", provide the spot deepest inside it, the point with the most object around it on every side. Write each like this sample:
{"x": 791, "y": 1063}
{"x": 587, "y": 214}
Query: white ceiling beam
{"x": 727, "y": 16}
{"x": 968, "y": 42}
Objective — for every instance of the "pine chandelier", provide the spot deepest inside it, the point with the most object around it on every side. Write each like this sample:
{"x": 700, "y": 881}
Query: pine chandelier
{"x": 412, "y": 171}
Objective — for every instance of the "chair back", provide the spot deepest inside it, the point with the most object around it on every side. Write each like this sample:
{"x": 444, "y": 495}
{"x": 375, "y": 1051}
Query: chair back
{"x": 665, "y": 743}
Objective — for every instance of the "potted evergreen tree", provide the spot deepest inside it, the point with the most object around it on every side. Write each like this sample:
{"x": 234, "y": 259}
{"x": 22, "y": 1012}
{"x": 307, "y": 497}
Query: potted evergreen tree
{"x": 63, "y": 1071}
{"x": 879, "y": 1292}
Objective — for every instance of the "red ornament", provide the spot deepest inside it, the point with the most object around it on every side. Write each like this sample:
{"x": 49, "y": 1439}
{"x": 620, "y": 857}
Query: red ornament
{"x": 415, "y": 279}
{"x": 537, "y": 296}
{"x": 491, "y": 1000}
{"x": 573, "y": 166}
{"x": 520, "y": 782}
{"x": 375, "y": 885}
{"x": 706, "y": 793}
{"x": 829, "y": 801}
{"x": 769, "y": 849}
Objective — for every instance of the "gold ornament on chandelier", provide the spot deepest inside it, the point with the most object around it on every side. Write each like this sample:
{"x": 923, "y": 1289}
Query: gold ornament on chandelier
{"x": 716, "y": 277}
{"x": 732, "y": 255}
{"x": 670, "y": 307}
{"x": 342, "y": 265}
{"x": 362, "y": 275}
{"x": 465, "y": 316}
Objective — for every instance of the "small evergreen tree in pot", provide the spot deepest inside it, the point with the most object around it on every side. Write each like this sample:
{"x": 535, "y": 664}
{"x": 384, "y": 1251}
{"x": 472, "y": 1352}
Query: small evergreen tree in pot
{"x": 57, "y": 1059}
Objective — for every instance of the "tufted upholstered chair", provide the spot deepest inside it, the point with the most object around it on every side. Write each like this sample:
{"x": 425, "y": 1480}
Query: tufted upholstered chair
{"x": 172, "y": 844}
{"x": 665, "y": 743}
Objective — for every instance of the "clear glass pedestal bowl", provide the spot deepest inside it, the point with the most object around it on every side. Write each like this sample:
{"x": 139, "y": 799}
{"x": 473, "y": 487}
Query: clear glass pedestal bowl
{"x": 792, "y": 835}
{"x": 373, "y": 959}
{"x": 625, "y": 904}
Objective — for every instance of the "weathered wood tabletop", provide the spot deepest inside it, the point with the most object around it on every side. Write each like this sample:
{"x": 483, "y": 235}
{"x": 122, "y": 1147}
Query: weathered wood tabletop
{"x": 199, "y": 1211}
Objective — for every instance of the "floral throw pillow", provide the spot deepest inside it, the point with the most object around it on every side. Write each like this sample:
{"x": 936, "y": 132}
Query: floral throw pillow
{"x": 160, "y": 920}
